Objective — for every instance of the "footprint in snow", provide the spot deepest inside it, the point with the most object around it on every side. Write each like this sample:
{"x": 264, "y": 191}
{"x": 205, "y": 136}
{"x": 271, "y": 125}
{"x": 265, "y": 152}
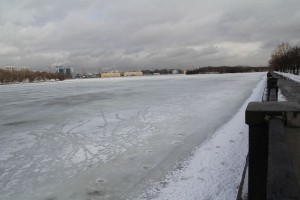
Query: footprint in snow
{"x": 201, "y": 179}
{"x": 96, "y": 193}
{"x": 51, "y": 198}
{"x": 176, "y": 142}
{"x": 100, "y": 180}
{"x": 149, "y": 151}
{"x": 223, "y": 163}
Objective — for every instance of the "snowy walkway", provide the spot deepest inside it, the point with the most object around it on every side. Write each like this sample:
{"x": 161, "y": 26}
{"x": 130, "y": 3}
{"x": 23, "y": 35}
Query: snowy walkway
{"x": 290, "y": 89}
{"x": 290, "y": 76}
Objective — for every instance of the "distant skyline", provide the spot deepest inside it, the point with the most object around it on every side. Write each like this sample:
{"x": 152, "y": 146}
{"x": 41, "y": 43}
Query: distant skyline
{"x": 140, "y": 34}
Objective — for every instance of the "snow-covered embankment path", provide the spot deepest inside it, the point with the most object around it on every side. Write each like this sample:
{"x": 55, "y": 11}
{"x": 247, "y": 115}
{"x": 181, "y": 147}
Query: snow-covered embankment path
{"x": 290, "y": 76}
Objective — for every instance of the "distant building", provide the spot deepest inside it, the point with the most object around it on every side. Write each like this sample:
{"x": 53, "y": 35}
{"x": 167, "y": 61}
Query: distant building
{"x": 60, "y": 69}
{"x": 67, "y": 71}
{"x": 110, "y": 74}
{"x": 175, "y": 71}
{"x": 10, "y": 68}
{"x": 25, "y": 68}
{"x": 133, "y": 74}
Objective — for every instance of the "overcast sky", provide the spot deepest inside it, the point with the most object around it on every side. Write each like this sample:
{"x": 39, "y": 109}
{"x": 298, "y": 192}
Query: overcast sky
{"x": 138, "y": 34}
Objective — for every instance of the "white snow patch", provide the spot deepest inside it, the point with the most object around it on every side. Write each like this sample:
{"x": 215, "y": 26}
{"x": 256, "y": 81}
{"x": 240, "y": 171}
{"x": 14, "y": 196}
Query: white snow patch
{"x": 92, "y": 149}
{"x": 215, "y": 169}
{"x": 281, "y": 97}
{"x": 245, "y": 186}
{"x": 79, "y": 156}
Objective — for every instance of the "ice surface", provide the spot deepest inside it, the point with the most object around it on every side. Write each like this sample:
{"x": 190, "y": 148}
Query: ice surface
{"x": 108, "y": 138}
{"x": 215, "y": 169}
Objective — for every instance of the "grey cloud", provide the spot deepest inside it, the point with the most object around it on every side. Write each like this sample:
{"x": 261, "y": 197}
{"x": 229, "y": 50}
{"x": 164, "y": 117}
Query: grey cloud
{"x": 124, "y": 34}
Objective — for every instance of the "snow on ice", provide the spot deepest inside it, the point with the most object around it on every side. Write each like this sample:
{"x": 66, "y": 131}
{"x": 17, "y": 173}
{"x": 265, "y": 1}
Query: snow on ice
{"x": 215, "y": 169}
{"x": 117, "y": 138}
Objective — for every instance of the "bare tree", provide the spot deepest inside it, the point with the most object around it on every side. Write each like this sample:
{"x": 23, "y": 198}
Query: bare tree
{"x": 14, "y": 76}
{"x": 294, "y": 57}
{"x": 286, "y": 58}
{"x": 280, "y": 54}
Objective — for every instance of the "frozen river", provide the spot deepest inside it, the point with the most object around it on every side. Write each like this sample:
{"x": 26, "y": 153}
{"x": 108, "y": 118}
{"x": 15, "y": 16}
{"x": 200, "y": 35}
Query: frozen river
{"x": 108, "y": 138}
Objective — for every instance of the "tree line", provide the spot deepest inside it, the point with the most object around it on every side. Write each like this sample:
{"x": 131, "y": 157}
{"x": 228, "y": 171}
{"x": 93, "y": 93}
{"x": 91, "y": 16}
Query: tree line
{"x": 286, "y": 58}
{"x": 161, "y": 71}
{"x": 226, "y": 69}
{"x": 16, "y": 76}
